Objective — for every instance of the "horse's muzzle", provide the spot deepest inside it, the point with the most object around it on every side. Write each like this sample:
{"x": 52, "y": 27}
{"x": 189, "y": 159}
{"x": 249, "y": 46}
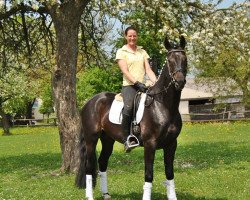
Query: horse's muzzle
{"x": 179, "y": 85}
{"x": 179, "y": 81}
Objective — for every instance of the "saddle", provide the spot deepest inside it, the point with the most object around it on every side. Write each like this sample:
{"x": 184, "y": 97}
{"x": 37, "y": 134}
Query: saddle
{"x": 115, "y": 116}
{"x": 115, "y": 113}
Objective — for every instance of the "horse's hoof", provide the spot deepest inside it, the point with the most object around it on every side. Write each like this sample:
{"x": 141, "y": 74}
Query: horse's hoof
{"x": 106, "y": 197}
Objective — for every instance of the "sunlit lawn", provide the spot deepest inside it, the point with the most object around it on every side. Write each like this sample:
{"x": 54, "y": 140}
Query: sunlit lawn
{"x": 212, "y": 163}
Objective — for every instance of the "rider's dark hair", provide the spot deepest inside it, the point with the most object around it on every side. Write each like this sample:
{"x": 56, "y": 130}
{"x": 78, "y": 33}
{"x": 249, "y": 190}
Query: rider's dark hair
{"x": 130, "y": 28}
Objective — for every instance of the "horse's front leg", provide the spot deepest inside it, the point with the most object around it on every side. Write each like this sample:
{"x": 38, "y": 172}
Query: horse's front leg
{"x": 169, "y": 153}
{"x": 149, "y": 156}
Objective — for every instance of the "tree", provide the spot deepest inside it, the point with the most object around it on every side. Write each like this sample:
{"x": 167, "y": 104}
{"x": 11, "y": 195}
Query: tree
{"x": 13, "y": 88}
{"x": 224, "y": 55}
{"x": 66, "y": 17}
{"x": 63, "y": 19}
{"x": 211, "y": 32}
{"x": 47, "y": 100}
{"x": 19, "y": 35}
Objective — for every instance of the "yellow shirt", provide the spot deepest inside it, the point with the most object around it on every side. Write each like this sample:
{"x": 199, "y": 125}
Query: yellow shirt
{"x": 135, "y": 62}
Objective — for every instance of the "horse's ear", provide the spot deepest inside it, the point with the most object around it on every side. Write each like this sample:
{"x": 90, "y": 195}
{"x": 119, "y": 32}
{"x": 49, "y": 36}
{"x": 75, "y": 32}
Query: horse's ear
{"x": 182, "y": 42}
{"x": 167, "y": 44}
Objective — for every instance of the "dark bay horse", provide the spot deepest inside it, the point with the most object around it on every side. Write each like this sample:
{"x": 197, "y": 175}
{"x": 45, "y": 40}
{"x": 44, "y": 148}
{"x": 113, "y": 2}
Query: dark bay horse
{"x": 160, "y": 127}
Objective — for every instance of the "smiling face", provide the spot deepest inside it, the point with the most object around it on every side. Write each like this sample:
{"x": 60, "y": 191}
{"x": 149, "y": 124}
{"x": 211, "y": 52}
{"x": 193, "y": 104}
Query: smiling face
{"x": 131, "y": 37}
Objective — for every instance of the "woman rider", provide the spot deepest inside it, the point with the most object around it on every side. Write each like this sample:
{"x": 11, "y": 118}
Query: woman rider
{"x": 133, "y": 63}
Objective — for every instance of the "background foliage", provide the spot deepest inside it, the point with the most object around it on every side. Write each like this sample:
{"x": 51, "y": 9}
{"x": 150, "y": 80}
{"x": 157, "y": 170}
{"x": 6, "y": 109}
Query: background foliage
{"x": 95, "y": 80}
{"x": 28, "y": 39}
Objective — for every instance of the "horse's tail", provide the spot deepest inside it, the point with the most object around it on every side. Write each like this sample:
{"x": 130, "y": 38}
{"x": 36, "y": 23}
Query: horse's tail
{"x": 81, "y": 174}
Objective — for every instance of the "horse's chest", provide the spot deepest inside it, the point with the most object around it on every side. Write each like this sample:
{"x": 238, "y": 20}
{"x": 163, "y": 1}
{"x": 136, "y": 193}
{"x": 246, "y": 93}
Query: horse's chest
{"x": 164, "y": 125}
{"x": 172, "y": 129}
{"x": 168, "y": 129}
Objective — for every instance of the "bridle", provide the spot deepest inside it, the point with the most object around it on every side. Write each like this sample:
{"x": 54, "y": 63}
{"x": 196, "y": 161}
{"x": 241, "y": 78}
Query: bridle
{"x": 171, "y": 74}
{"x": 178, "y": 69}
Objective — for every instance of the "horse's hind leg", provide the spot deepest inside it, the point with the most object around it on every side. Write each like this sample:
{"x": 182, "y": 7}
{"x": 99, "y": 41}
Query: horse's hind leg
{"x": 169, "y": 153}
{"x": 107, "y": 149}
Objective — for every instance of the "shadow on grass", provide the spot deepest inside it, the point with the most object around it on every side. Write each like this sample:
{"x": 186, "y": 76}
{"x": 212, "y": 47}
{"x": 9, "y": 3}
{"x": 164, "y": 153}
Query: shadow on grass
{"x": 8, "y": 134}
{"x": 138, "y": 196}
{"x": 46, "y": 161}
{"x": 199, "y": 155}
{"x": 208, "y": 154}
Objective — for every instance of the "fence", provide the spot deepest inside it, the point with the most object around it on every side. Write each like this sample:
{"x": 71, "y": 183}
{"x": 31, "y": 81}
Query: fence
{"x": 203, "y": 117}
{"x": 198, "y": 113}
{"x": 231, "y": 112}
{"x": 35, "y": 122}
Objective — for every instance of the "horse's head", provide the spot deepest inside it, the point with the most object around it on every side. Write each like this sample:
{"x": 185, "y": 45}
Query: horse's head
{"x": 177, "y": 63}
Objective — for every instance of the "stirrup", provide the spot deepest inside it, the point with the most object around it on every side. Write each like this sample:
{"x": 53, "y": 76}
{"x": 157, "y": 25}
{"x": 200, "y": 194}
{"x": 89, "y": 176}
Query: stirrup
{"x": 132, "y": 141}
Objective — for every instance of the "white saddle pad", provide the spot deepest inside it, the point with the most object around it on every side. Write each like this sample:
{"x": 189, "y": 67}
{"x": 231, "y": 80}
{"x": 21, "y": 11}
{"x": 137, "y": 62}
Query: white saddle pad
{"x": 115, "y": 113}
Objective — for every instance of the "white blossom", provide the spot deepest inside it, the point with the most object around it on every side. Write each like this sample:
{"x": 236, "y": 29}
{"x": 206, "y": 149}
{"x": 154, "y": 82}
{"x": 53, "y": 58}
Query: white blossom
{"x": 1, "y": 3}
{"x": 35, "y": 6}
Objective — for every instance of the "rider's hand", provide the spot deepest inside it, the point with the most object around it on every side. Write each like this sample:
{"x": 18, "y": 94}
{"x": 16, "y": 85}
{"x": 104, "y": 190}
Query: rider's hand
{"x": 140, "y": 86}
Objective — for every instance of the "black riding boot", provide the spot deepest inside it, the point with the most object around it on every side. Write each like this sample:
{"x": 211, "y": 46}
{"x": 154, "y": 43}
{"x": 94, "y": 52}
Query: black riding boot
{"x": 126, "y": 124}
{"x": 126, "y": 128}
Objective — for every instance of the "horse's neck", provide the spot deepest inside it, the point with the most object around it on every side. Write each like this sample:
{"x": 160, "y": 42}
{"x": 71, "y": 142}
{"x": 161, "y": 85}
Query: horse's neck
{"x": 170, "y": 98}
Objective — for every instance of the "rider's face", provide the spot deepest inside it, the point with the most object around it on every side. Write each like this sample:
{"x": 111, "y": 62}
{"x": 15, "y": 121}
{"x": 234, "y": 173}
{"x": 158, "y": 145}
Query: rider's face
{"x": 131, "y": 37}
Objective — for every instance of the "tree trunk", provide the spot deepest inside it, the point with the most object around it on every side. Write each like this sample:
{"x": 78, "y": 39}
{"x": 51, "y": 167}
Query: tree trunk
{"x": 29, "y": 109}
{"x": 246, "y": 95}
{"x": 5, "y": 122}
{"x": 66, "y": 18}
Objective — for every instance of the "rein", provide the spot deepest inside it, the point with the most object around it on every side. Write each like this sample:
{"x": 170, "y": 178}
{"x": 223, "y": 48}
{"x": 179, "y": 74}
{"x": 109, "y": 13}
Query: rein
{"x": 165, "y": 89}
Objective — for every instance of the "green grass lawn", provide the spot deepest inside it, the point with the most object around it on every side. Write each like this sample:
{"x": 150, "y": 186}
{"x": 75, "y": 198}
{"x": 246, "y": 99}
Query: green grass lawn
{"x": 212, "y": 163}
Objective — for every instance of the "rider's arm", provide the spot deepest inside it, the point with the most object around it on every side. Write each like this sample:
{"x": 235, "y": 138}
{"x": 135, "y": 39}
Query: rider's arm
{"x": 124, "y": 68}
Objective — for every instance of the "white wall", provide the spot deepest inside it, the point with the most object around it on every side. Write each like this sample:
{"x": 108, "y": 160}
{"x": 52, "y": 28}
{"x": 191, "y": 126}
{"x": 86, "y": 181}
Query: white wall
{"x": 35, "y": 109}
{"x": 183, "y": 107}
{"x": 184, "y": 110}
